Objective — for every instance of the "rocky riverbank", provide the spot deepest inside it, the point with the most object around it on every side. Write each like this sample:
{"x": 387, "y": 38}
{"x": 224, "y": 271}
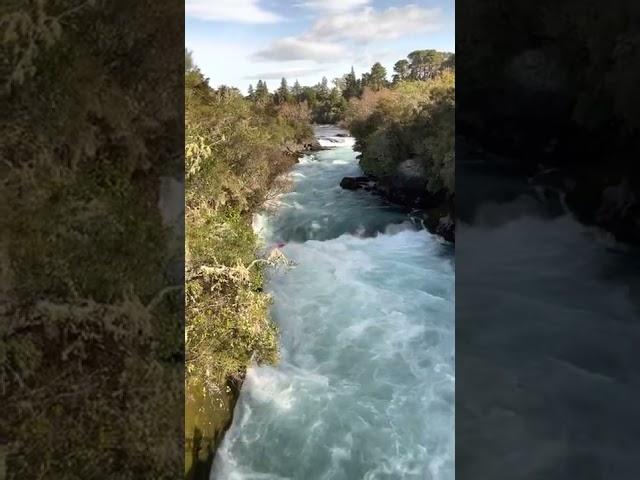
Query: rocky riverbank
{"x": 407, "y": 188}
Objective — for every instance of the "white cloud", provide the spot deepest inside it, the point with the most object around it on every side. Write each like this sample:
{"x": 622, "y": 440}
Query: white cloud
{"x": 334, "y": 5}
{"x": 242, "y": 11}
{"x": 368, "y": 58}
{"x": 369, "y": 25}
{"x": 293, "y": 48}
{"x": 333, "y": 37}
{"x": 303, "y": 72}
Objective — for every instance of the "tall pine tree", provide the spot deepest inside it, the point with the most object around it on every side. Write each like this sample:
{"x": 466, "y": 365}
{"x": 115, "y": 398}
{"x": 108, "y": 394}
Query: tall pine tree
{"x": 377, "y": 79}
{"x": 282, "y": 94}
{"x": 296, "y": 91}
{"x": 262, "y": 92}
{"x": 352, "y": 85}
{"x": 323, "y": 89}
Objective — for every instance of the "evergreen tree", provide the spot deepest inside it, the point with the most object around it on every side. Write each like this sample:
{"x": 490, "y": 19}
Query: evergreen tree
{"x": 282, "y": 94}
{"x": 402, "y": 69}
{"x": 296, "y": 91}
{"x": 262, "y": 92}
{"x": 309, "y": 95}
{"x": 323, "y": 89}
{"x": 426, "y": 64}
{"x": 251, "y": 92}
{"x": 377, "y": 79}
{"x": 364, "y": 81}
{"x": 338, "y": 104}
{"x": 352, "y": 85}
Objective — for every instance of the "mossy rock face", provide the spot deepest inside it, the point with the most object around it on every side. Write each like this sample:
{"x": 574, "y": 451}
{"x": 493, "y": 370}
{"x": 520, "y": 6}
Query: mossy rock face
{"x": 207, "y": 417}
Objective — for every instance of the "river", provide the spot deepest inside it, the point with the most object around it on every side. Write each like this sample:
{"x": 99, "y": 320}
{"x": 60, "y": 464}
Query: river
{"x": 365, "y": 385}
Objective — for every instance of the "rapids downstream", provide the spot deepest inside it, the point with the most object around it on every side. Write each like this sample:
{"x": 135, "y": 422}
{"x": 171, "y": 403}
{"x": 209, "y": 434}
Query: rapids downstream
{"x": 365, "y": 385}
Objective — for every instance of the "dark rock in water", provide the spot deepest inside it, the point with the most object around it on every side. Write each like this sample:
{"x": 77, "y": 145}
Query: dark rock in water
{"x": 440, "y": 220}
{"x": 447, "y": 229}
{"x": 412, "y": 194}
{"x": 314, "y": 146}
{"x": 436, "y": 210}
{"x": 341, "y": 135}
{"x": 356, "y": 183}
{"x": 407, "y": 188}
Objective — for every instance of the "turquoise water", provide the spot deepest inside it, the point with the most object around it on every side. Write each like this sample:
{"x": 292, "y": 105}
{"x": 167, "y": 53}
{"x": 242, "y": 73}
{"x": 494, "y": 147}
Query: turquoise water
{"x": 365, "y": 385}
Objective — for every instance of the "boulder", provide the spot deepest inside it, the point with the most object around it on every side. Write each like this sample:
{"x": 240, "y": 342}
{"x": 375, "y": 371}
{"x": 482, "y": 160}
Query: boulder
{"x": 313, "y": 146}
{"x": 356, "y": 183}
{"x": 446, "y": 229}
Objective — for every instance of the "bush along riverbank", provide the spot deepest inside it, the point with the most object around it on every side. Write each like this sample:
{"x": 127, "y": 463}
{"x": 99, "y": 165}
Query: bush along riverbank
{"x": 405, "y": 133}
{"x": 235, "y": 151}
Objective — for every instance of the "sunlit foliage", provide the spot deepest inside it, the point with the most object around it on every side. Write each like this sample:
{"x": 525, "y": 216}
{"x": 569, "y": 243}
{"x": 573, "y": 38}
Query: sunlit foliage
{"x": 414, "y": 119}
{"x": 235, "y": 151}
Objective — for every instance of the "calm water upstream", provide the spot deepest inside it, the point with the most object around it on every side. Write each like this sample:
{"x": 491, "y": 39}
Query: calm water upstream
{"x": 365, "y": 385}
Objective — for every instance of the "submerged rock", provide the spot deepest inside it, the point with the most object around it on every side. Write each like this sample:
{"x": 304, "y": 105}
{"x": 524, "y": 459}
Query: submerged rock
{"x": 441, "y": 220}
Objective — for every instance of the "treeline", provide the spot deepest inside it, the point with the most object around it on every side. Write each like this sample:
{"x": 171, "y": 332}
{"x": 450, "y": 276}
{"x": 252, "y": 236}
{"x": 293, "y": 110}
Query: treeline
{"x": 234, "y": 151}
{"x": 328, "y": 104}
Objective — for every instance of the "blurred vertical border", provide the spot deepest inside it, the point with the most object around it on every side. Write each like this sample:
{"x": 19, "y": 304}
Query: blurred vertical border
{"x": 91, "y": 239}
{"x": 547, "y": 239}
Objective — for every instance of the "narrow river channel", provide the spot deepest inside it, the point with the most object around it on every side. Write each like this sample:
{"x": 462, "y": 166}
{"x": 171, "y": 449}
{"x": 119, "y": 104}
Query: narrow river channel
{"x": 365, "y": 385}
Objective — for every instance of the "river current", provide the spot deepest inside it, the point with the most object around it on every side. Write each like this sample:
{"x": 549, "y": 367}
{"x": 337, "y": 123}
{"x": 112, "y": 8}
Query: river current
{"x": 365, "y": 385}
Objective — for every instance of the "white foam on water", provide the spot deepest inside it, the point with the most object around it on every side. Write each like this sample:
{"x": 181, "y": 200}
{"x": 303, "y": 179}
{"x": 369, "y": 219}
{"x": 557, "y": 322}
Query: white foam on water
{"x": 336, "y": 141}
{"x": 365, "y": 384}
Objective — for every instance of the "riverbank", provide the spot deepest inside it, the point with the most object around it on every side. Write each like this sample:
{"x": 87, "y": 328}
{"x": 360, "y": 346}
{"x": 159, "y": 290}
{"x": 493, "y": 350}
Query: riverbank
{"x": 209, "y": 411}
{"x": 405, "y": 139}
{"x": 436, "y": 211}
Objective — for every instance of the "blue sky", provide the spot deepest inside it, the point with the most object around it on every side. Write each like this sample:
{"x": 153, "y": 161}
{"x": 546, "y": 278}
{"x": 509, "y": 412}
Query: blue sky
{"x": 236, "y": 42}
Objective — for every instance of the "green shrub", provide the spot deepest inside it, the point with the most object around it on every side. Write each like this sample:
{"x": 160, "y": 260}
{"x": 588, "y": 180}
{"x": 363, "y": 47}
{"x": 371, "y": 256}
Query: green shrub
{"x": 414, "y": 119}
{"x": 235, "y": 150}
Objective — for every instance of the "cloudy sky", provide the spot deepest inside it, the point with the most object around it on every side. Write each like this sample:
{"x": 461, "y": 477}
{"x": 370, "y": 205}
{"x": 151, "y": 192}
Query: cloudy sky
{"x": 235, "y": 42}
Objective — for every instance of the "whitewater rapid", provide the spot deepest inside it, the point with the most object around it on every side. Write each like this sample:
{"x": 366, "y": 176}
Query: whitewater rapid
{"x": 365, "y": 385}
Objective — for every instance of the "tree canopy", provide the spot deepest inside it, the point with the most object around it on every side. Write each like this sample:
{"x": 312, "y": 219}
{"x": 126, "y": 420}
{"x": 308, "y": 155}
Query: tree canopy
{"x": 328, "y": 104}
